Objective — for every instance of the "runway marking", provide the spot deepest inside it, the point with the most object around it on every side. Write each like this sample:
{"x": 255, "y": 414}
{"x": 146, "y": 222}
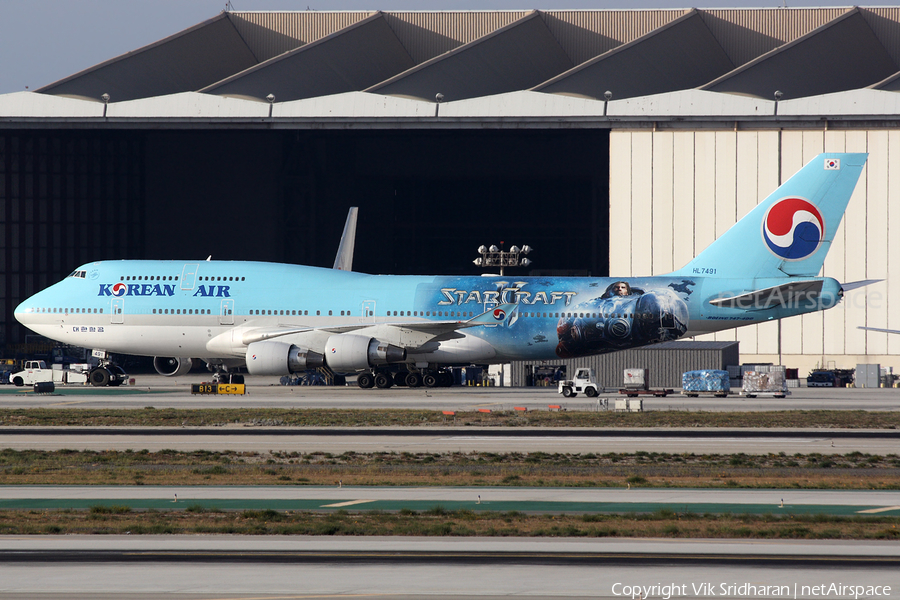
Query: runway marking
{"x": 348, "y": 503}
{"x": 878, "y": 510}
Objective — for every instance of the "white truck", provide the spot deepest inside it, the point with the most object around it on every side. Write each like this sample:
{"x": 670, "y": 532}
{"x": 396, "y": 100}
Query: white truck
{"x": 584, "y": 382}
{"x": 36, "y": 371}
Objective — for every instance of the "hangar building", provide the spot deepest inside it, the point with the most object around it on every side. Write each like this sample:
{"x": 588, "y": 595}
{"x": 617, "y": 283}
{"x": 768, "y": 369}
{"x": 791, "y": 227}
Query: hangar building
{"x": 613, "y": 141}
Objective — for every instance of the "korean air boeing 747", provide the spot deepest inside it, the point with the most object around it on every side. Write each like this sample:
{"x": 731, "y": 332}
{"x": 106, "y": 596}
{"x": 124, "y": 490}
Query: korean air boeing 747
{"x": 277, "y": 319}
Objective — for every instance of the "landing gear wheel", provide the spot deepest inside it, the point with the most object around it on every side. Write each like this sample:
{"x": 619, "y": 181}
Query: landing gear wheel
{"x": 383, "y": 381}
{"x": 568, "y": 393}
{"x": 400, "y": 378}
{"x": 590, "y": 392}
{"x": 99, "y": 377}
{"x": 414, "y": 380}
{"x": 430, "y": 380}
{"x": 445, "y": 379}
{"x": 365, "y": 380}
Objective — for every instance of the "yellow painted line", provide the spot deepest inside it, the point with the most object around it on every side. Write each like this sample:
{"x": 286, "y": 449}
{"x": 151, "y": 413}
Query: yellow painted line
{"x": 878, "y": 510}
{"x": 349, "y": 503}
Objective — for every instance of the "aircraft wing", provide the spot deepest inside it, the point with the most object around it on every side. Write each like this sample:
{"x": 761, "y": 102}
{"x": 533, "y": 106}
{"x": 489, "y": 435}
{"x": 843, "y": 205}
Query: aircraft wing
{"x": 405, "y": 334}
{"x": 786, "y": 294}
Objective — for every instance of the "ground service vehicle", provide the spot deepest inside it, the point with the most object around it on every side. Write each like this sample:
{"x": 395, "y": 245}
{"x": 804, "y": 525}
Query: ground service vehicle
{"x": 584, "y": 382}
{"x": 36, "y": 371}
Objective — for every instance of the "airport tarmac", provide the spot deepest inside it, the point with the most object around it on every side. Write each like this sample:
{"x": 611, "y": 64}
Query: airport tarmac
{"x": 294, "y": 567}
{"x": 266, "y": 392}
{"x": 494, "y": 499}
{"x": 449, "y": 439}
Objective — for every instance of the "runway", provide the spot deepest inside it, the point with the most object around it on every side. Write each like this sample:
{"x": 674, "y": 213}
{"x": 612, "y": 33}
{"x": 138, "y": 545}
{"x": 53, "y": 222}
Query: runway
{"x": 269, "y": 568}
{"x": 265, "y": 392}
{"x": 448, "y": 439}
{"x": 495, "y": 499}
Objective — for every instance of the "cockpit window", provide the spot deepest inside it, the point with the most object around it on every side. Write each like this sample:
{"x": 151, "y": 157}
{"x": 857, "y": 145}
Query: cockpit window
{"x": 78, "y": 274}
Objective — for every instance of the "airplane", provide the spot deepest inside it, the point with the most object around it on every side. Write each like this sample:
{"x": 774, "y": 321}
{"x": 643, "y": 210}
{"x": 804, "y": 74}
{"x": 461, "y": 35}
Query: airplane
{"x": 279, "y": 319}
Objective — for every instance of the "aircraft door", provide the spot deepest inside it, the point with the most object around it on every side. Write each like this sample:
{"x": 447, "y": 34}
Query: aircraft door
{"x": 118, "y": 310}
{"x": 188, "y": 276}
{"x": 368, "y": 312}
{"x": 226, "y": 314}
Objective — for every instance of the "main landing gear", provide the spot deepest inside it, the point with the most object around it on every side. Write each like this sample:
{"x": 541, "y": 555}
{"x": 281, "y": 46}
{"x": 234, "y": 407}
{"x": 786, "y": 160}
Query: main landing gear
{"x": 385, "y": 379}
{"x": 107, "y": 374}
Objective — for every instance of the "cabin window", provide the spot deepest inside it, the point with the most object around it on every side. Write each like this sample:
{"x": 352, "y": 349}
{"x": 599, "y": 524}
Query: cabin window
{"x": 329, "y": 313}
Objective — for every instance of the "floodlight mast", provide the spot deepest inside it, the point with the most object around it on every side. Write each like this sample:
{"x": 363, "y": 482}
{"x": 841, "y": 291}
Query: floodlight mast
{"x": 497, "y": 257}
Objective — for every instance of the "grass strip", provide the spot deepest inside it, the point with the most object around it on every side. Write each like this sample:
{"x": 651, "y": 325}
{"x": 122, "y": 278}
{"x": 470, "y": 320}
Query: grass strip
{"x": 441, "y": 522}
{"x": 850, "y": 471}
{"x": 275, "y": 417}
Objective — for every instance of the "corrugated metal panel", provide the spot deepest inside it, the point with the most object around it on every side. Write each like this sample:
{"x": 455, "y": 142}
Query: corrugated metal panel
{"x": 856, "y": 240}
{"x": 430, "y": 34}
{"x": 856, "y": 59}
{"x": 352, "y": 59}
{"x": 885, "y": 22}
{"x": 620, "y": 194}
{"x": 584, "y": 34}
{"x": 748, "y": 33}
{"x": 186, "y": 61}
{"x": 665, "y": 362}
{"x": 889, "y": 291}
{"x": 516, "y": 57}
{"x": 682, "y": 54}
{"x": 269, "y": 34}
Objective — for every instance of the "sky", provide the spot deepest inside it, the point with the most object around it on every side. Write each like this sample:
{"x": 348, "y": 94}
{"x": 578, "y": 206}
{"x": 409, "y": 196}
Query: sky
{"x": 43, "y": 41}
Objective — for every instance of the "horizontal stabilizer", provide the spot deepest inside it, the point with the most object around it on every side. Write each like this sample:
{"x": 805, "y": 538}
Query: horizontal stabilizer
{"x": 786, "y": 294}
{"x": 498, "y": 315}
{"x": 881, "y": 330}
{"x": 858, "y": 284}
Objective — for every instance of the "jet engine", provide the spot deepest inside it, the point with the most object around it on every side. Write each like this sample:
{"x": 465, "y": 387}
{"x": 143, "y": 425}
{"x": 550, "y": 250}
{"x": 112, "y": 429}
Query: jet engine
{"x": 172, "y": 366}
{"x": 280, "y": 358}
{"x": 347, "y": 353}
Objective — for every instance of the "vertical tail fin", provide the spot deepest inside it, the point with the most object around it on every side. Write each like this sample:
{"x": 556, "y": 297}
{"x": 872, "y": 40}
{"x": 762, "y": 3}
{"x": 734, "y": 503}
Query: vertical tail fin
{"x": 791, "y": 231}
{"x": 343, "y": 261}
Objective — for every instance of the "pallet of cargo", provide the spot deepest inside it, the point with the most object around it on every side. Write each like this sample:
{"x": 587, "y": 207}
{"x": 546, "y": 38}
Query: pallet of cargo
{"x": 642, "y": 392}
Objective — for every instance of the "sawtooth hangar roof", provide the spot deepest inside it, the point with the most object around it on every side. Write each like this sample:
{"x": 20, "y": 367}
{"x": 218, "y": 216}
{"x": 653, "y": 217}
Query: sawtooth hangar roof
{"x": 495, "y": 64}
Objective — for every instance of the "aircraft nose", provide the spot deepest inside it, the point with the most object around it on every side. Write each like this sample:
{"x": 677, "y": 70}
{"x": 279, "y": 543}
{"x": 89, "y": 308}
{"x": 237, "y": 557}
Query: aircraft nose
{"x": 23, "y": 311}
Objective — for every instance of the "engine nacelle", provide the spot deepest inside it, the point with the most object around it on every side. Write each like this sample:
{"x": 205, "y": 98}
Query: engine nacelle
{"x": 280, "y": 358}
{"x": 347, "y": 352}
{"x": 172, "y": 366}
